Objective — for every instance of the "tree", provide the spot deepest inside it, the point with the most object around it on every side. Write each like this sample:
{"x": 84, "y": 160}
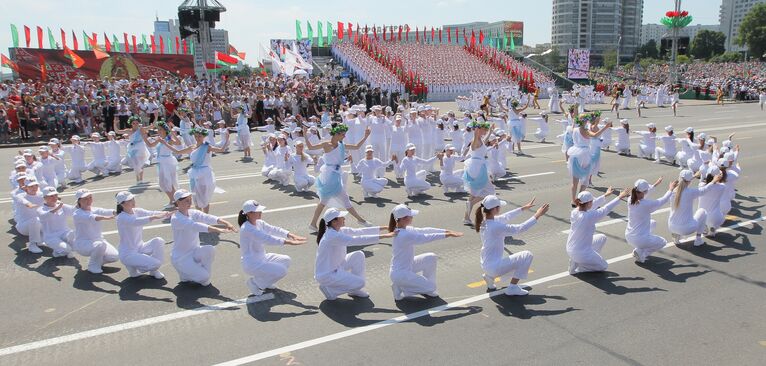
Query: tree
{"x": 552, "y": 59}
{"x": 707, "y": 44}
{"x": 752, "y": 31}
{"x": 610, "y": 59}
{"x": 649, "y": 50}
{"x": 727, "y": 57}
{"x": 683, "y": 59}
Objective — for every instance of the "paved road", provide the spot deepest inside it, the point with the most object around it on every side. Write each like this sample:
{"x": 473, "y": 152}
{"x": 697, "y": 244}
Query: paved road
{"x": 684, "y": 306}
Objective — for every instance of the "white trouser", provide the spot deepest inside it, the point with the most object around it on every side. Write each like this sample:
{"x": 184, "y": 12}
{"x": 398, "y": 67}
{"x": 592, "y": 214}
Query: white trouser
{"x": 50, "y": 180}
{"x": 412, "y": 283}
{"x": 97, "y": 167}
{"x": 196, "y": 266}
{"x": 113, "y": 164}
{"x": 99, "y": 251}
{"x": 373, "y": 185}
{"x": 61, "y": 176}
{"x": 280, "y": 175}
{"x": 349, "y": 277}
{"x": 266, "y": 273}
{"x": 399, "y": 152}
{"x": 645, "y": 151}
{"x": 147, "y": 258}
{"x": 647, "y": 244}
{"x": 418, "y": 183}
{"x": 303, "y": 182}
{"x": 517, "y": 264}
{"x": 695, "y": 226}
{"x": 75, "y": 173}
{"x": 60, "y": 242}
{"x": 541, "y": 134}
{"x": 591, "y": 260}
{"x": 659, "y": 153}
{"x": 381, "y": 153}
{"x": 356, "y": 156}
{"x": 31, "y": 228}
{"x": 452, "y": 181}
{"x": 715, "y": 218}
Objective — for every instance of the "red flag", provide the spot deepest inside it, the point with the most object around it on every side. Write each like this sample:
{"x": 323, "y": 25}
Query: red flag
{"x": 97, "y": 50}
{"x": 365, "y": 28}
{"x": 433, "y": 35}
{"x": 154, "y": 46}
{"x": 127, "y": 45}
{"x": 186, "y": 48}
{"x": 63, "y": 37}
{"x": 233, "y": 51}
{"x": 178, "y": 46}
{"x": 473, "y": 38}
{"x": 384, "y": 33}
{"x": 350, "y": 30}
{"x": 375, "y": 32}
{"x": 340, "y": 30}
{"x": 43, "y": 70}
{"x": 400, "y": 32}
{"x": 77, "y": 61}
{"x": 222, "y": 57}
{"x": 27, "y": 35}
{"x": 449, "y": 35}
{"x": 5, "y": 61}
{"x": 107, "y": 44}
{"x": 481, "y": 37}
{"x": 74, "y": 41}
{"x": 135, "y": 49}
{"x": 162, "y": 46}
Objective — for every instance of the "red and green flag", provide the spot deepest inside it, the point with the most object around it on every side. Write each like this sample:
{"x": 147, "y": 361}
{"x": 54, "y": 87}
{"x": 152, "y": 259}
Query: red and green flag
{"x": 8, "y": 63}
{"x": 233, "y": 51}
{"x": 224, "y": 59}
{"x": 77, "y": 61}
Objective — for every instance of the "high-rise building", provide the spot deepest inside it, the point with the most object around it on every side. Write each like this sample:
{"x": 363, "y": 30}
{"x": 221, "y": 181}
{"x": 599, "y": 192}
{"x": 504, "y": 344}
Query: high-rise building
{"x": 168, "y": 29}
{"x": 731, "y": 15}
{"x": 658, "y": 31}
{"x": 597, "y": 25}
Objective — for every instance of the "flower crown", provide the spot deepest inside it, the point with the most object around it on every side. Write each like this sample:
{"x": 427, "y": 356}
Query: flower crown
{"x": 338, "y": 129}
{"x": 161, "y": 124}
{"x": 584, "y": 118}
{"x": 184, "y": 110}
{"x": 198, "y": 131}
{"x": 133, "y": 118}
{"x": 514, "y": 103}
{"x": 478, "y": 124}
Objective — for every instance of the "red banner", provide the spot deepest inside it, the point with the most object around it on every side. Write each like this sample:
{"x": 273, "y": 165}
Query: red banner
{"x": 120, "y": 65}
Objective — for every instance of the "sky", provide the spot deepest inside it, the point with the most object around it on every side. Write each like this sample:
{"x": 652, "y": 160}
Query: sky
{"x": 254, "y": 22}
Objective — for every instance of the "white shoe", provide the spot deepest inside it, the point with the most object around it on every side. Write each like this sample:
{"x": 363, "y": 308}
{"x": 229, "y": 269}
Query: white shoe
{"x": 254, "y": 289}
{"x": 698, "y": 241}
{"x": 711, "y": 232}
{"x": 431, "y": 294}
{"x": 676, "y": 239}
{"x": 132, "y": 272}
{"x": 33, "y": 248}
{"x": 637, "y": 257}
{"x": 359, "y": 293}
{"x": 656, "y": 161}
{"x": 313, "y": 228}
{"x": 515, "y": 290}
{"x": 398, "y": 295}
{"x": 157, "y": 274}
{"x": 467, "y": 222}
{"x": 326, "y": 293}
{"x": 95, "y": 270}
{"x": 572, "y": 267}
{"x": 490, "y": 281}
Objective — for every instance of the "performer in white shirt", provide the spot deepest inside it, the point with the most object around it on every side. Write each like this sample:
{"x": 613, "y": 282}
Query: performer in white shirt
{"x": 368, "y": 169}
{"x": 53, "y": 216}
{"x": 683, "y": 220}
{"x": 668, "y": 149}
{"x": 639, "y": 231}
{"x": 88, "y": 238}
{"x": 137, "y": 255}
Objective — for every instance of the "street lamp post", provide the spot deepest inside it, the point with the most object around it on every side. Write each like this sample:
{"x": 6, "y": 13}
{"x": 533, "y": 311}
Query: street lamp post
{"x": 674, "y": 53}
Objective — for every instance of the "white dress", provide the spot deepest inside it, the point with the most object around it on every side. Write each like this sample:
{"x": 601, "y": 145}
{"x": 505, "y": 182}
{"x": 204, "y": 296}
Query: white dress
{"x": 330, "y": 182}
{"x": 579, "y": 156}
{"x": 476, "y": 174}
{"x": 167, "y": 168}
{"x": 138, "y": 154}
{"x": 450, "y": 178}
{"x": 301, "y": 177}
{"x": 201, "y": 177}
{"x": 243, "y": 132}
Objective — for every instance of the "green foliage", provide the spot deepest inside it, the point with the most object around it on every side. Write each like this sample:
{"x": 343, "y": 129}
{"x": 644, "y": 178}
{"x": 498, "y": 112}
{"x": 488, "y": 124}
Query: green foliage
{"x": 649, "y": 50}
{"x": 610, "y": 59}
{"x": 683, "y": 59}
{"x": 752, "y": 31}
{"x": 708, "y": 44}
{"x": 727, "y": 57}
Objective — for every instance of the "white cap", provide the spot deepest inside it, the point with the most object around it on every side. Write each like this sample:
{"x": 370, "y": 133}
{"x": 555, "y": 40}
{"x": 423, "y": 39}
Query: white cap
{"x": 410, "y": 146}
{"x": 686, "y": 175}
{"x": 449, "y": 147}
{"x": 585, "y": 197}
{"x": 54, "y": 141}
{"x": 624, "y": 121}
{"x": 95, "y": 134}
{"x": 75, "y": 137}
{"x": 723, "y": 163}
{"x": 32, "y": 182}
{"x": 492, "y": 138}
{"x": 403, "y": 211}
{"x": 43, "y": 148}
{"x": 50, "y": 191}
{"x": 21, "y": 175}
{"x": 180, "y": 194}
{"x": 651, "y": 125}
{"x": 713, "y": 170}
{"x": 252, "y": 206}
{"x": 368, "y": 148}
{"x": 727, "y": 143}
{"x": 111, "y": 133}
{"x": 668, "y": 128}
{"x": 19, "y": 165}
{"x": 492, "y": 201}
{"x": 81, "y": 193}
{"x": 332, "y": 214}
{"x": 729, "y": 156}
{"x": 702, "y": 136}
{"x": 124, "y": 196}
{"x": 299, "y": 142}
{"x": 642, "y": 185}
{"x": 689, "y": 129}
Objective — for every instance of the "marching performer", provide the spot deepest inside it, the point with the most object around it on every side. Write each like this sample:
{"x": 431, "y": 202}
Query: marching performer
{"x": 639, "y": 232}
{"x": 405, "y": 265}
{"x": 264, "y": 269}
{"x": 88, "y": 238}
{"x": 137, "y": 255}
{"x": 193, "y": 261}
{"x": 336, "y": 271}
{"x": 668, "y": 149}
{"x": 493, "y": 228}
{"x": 27, "y": 220}
{"x": 583, "y": 247}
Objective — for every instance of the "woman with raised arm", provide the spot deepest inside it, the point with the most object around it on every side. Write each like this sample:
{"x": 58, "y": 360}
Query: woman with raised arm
{"x": 476, "y": 173}
{"x": 137, "y": 155}
{"x": 89, "y": 240}
{"x": 580, "y": 159}
{"x": 639, "y": 232}
{"x": 167, "y": 165}
{"x": 329, "y": 183}
{"x": 137, "y": 255}
{"x": 683, "y": 219}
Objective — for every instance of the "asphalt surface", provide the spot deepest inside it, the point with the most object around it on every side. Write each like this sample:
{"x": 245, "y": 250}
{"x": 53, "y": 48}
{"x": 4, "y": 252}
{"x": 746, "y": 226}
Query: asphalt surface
{"x": 686, "y": 305}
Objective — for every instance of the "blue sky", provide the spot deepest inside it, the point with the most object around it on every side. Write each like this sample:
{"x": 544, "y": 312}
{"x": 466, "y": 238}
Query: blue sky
{"x": 251, "y": 22}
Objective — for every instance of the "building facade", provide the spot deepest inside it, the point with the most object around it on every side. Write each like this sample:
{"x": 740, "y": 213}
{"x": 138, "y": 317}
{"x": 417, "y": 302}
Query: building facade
{"x": 504, "y": 28}
{"x": 731, "y": 15}
{"x": 658, "y": 31}
{"x": 219, "y": 39}
{"x": 598, "y": 25}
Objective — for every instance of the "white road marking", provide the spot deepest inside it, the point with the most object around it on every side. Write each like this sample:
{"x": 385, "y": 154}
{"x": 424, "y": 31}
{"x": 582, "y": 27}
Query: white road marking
{"x": 525, "y": 176}
{"x": 622, "y": 219}
{"x": 297, "y": 346}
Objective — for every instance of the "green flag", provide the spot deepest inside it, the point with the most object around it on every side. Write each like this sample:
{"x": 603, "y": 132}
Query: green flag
{"x": 115, "y": 43}
{"x": 85, "y": 39}
{"x": 191, "y": 46}
{"x": 329, "y": 33}
{"x": 513, "y": 46}
{"x": 310, "y": 31}
{"x": 298, "y": 35}
{"x": 143, "y": 43}
{"x": 51, "y": 40}
{"x": 320, "y": 39}
{"x": 15, "y": 35}
{"x": 505, "y": 43}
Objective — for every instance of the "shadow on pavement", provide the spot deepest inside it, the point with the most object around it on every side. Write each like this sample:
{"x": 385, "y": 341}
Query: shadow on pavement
{"x": 664, "y": 268}
{"x": 262, "y": 310}
{"x": 86, "y": 281}
{"x": 517, "y": 306}
{"x": 607, "y": 282}
{"x": 130, "y": 287}
{"x": 346, "y": 312}
{"x": 188, "y": 294}
{"x": 415, "y": 304}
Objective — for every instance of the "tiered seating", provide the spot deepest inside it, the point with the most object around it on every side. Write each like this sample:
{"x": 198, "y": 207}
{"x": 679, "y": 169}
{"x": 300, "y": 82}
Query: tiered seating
{"x": 365, "y": 68}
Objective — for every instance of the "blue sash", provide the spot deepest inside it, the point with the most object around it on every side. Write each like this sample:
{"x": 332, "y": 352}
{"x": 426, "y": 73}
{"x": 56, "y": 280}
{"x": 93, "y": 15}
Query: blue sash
{"x": 334, "y": 183}
{"x": 198, "y": 159}
{"x": 479, "y": 182}
{"x": 578, "y": 171}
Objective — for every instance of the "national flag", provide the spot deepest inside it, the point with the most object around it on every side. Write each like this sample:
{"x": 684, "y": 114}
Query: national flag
{"x": 329, "y": 33}
{"x": 107, "y": 44}
{"x": 143, "y": 43}
{"x": 350, "y": 30}
{"x": 125, "y": 40}
{"x": 27, "y": 35}
{"x": 8, "y": 63}
{"x": 340, "y": 31}
{"x": 185, "y": 46}
{"x": 74, "y": 41}
{"x": 178, "y": 46}
{"x": 505, "y": 42}
{"x": 77, "y": 61}
{"x": 39, "y": 37}
{"x": 97, "y": 50}
{"x": 449, "y": 36}
{"x": 263, "y": 68}
{"x": 320, "y": 39}
{"x": 51, "y": 40}
{"x": 481, "y": 37}
{"x": 513, "y": 45}
{"x": 43, "y": 70}
{"x": 116, "y": 44}
{"x": 298, "y": 33}
{"x": 135, "y": 49}
{"x": 153, "y": 45}
{"x": 191, "y": 46}
{"x": 433, "y": 34}
{"x": 15, "y": 35}
{"x": 224, "y": 58}
{"x": 87, "y": 41}
{"x": 94, "y": 37}
{"x": 310, "y": 30}
{"x": 162, "y": 46}
{"x": 233, "y": 51}
{"x": 63, "y": 38}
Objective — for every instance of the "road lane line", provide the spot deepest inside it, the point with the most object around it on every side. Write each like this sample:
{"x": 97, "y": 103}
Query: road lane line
{"x": 524, "y": 176}
{"x": 313, "y": 342}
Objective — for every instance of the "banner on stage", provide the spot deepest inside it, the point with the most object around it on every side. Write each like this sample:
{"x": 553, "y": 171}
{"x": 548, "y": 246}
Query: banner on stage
{"x": 118, "y": 65}
{"x": 578, "y": 63}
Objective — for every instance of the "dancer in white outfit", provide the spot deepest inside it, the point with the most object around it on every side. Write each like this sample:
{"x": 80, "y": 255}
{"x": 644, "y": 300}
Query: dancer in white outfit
{"x": 193, "y": 261}
{"x": 336, "y": 271}
{"x": 299, "y": 163}
{"x": 542, "y": 128}
{"x": 583, "y": 247}
{"x": 668, "y": 149}
{"x": 580, "y": 156}
{"x": 60, "y": 165}
{"x": 88, "y": 238}
{"x": 638, "y": 233}
{"x": 27, "y": 220}
{"x": 415, "y": 180}
{"x": 53, "y": 219}
{"x": 98, "y": 151}
{"x": 623, "y": 137}
{"x": 77, "y": 155}
{"x": 264, "y": 269}
{"x": 450, "y": 178}
{"x": 406, "y": 267}
{"x": 368, "y": 168}
{"x": 476, "y": 174}
{"x": 648, "y": 141}
{"x": 137, "y": 155}
{"x": 713, "y": 197}
{"x": 243, "y": 131}
{"x": 516, "y": 124}
{"x": 330, "y": 183}
{"x": 683, "y": 219}
{"x": 688, "y": 149}
{"x": 493, "y": 228}
{"x": 137, "y": 255}
{"x": 113, "y": 153}
{"x": 167, "y": 165}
